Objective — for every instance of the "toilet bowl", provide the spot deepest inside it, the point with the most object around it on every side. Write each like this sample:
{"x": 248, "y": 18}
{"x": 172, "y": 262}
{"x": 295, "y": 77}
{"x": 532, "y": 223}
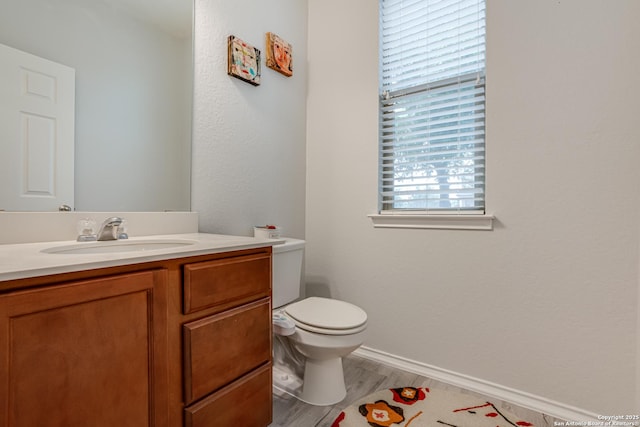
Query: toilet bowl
{"x": 312, "y": 334}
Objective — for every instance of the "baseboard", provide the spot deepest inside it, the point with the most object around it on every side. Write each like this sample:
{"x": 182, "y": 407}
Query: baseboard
{"x": 517, "y": 397}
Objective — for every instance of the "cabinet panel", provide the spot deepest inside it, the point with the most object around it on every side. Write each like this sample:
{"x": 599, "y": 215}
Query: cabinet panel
{"x": 220, "y": 348}
{"x": 246, "y": 402}
{"x": 211, "y": 283}
{"x": 79, "y": 354}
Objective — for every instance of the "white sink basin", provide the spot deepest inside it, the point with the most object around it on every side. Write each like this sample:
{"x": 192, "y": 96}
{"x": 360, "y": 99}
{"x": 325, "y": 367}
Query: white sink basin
{"x": 114, "y": 246}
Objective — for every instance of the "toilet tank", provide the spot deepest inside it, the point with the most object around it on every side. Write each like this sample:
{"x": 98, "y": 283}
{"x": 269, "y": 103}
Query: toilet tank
{"x": 286, "y": 271}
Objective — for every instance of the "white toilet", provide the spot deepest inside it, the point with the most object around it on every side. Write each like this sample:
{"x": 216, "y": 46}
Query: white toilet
{"x": 311, "y": 335}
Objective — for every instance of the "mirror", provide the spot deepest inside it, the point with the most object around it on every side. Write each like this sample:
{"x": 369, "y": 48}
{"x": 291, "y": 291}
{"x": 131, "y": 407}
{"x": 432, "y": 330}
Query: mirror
{"x": 133, "y": 62}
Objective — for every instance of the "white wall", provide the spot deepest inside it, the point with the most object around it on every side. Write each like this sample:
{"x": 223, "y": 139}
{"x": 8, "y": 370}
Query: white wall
{"x": 249, "y": 141}
{"x": 545, "y": 303}
{"x": 132, "y": 117}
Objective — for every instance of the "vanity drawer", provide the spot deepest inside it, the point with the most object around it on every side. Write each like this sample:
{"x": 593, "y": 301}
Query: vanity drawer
{"x": 211, "y": 283}
{"x": 246, "y": 402}
{"x": 220, "y": 348}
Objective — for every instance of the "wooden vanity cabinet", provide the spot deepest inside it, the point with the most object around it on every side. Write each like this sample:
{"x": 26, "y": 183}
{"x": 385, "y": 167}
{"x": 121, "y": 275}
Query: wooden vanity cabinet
{"x": 182, "y": 342}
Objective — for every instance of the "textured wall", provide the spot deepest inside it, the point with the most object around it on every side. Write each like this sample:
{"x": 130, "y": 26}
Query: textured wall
{"x": 547, "y": 302}
{"x": 249, "y": 142}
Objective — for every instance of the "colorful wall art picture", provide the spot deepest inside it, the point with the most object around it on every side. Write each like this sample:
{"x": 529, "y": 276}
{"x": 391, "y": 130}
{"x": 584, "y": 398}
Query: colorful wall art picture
{"x": 244, "y": 61}
{"x": 279, "y": 55}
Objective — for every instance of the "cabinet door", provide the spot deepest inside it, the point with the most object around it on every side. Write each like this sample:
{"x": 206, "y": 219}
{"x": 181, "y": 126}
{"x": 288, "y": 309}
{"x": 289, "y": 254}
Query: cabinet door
{"x": 81, "y": 354}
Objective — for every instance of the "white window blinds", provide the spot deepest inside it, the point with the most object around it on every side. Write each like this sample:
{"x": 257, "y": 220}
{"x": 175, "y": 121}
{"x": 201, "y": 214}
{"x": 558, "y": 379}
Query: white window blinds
{"x": 432, "y": 63}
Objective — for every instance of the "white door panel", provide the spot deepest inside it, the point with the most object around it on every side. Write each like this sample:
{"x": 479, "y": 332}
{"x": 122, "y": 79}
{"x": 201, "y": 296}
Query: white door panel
{"x": 37, "y": 119}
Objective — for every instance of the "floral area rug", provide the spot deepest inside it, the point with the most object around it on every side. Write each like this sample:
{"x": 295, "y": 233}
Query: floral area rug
{"x": 421, "y": 407}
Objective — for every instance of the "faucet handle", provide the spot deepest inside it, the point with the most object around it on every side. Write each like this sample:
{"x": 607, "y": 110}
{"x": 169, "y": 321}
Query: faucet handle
{"x": 86, "y": 230}
{"x": 122, "y": 230}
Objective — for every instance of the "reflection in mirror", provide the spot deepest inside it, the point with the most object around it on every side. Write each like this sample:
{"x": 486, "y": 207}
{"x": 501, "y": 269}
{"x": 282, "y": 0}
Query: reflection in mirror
{"x": 133, "y": 91}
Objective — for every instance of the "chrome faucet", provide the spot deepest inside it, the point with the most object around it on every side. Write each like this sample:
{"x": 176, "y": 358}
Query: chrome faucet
{"x": 109, "y": 229}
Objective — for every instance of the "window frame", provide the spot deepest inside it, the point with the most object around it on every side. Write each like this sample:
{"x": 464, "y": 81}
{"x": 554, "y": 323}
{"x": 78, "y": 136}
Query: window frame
{"x": 391, "y": 216}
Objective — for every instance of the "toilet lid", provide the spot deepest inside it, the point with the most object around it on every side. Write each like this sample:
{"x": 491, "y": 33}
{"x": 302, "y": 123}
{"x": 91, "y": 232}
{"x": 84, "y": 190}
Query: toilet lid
{"x": 327, "y": 313}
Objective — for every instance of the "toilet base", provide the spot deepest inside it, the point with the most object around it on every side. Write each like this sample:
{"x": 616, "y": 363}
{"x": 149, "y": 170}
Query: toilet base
{"x": 323, "y": 383}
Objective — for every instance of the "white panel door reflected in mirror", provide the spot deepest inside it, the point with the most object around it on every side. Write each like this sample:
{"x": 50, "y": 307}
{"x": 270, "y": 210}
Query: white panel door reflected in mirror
{"x": 37, "y": 110}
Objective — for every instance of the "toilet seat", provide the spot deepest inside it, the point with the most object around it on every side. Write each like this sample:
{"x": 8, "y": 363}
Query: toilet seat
{"x": 327, "y": 316}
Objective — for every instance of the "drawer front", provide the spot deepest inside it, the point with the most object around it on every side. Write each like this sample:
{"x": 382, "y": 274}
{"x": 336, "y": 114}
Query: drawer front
{"x": 246, "y": 402}
{"x": 220, "y": 348}
{"x": 211, "y": 283}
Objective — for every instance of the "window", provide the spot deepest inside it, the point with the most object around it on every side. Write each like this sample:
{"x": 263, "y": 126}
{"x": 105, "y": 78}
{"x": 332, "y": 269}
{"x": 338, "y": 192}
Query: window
{"x": 432, "y": 114}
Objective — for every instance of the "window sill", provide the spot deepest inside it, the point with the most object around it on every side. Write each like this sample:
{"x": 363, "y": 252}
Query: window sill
{"x": 444, "y": 222}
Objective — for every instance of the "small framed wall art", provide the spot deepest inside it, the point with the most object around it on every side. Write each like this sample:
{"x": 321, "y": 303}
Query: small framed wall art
{"x": 279, "y": 55}
{"x": 243, "y": 61}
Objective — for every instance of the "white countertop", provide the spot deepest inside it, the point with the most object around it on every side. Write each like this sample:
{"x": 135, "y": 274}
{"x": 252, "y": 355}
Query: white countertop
{"x": 19, "y": 261}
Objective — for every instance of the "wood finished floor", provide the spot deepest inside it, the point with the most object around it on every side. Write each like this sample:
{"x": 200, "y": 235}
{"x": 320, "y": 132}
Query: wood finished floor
{"x": 363, "y": 377}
